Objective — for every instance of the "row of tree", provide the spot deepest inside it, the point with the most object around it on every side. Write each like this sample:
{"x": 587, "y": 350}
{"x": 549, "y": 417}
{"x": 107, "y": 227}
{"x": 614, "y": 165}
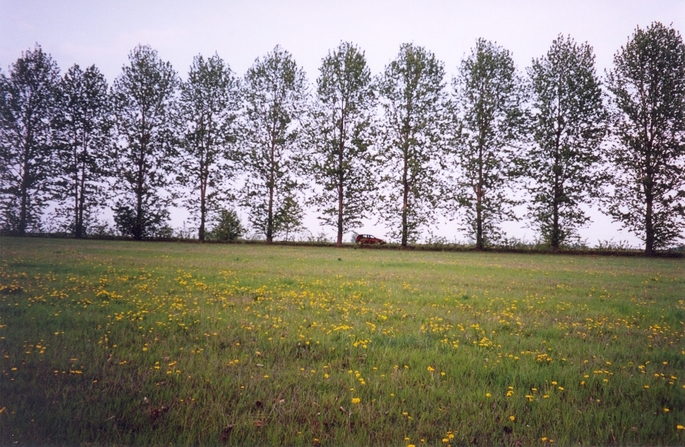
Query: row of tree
{"x": 398, "y": 145}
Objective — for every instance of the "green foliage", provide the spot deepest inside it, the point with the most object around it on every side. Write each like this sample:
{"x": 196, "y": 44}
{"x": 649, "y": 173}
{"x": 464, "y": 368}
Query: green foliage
{"x": 208, "y": 107}
{"x": 228, "y": 227}
{"x": 28, "y": 105}
{"x": 340, "y": 160}
{"x": 84, "y": 138}
{"x": 568, "y": 127}
{"x": 143, "y": 97}
{"x": 275, "y": 97}
{"x": 648, "y": 99}
{"x": 129, "y": 223}
{"x": 412, "y": 97}
{"x": 488, "y": 97}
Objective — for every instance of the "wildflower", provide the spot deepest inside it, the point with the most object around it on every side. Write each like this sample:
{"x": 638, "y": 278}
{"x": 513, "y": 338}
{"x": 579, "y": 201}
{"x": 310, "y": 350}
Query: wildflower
{"x": 666, "y": 410}
{"x": 512, "y": 418}
{"x": 488, "y": 395}
{"x": 646, "y": 387}
{"x": 430, "y": 369}
{"x": 544, "y": 438}
{"x": 680, "y": 427}
{"x": 356, "y": 400}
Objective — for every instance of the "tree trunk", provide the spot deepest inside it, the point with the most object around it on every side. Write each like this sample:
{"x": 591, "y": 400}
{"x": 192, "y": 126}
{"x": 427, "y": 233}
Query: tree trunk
{"x": 649, "y": 228}
{"x": 405, "y": 203}
{"x": 203, "y": 201}
{"x": 81, "y": 204}
{"x": 341, "y": 186}
{"x": 271, "y": 185}
{"x": 140, "y": 181}
{"x": 479, "y": 202}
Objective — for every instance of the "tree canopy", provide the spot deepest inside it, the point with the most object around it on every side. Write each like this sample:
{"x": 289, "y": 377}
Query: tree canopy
{"x": 648, "y": 103}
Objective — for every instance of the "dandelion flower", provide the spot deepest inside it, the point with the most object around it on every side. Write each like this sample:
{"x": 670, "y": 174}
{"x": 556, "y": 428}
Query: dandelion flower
{"x": 680, "y": 427}
{"x": 488, "y": 395}
{"x": 356, "y": 400}
{"x": 512, "y": 418}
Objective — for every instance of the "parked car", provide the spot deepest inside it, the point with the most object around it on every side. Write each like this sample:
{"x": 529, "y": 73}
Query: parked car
{"x": 368, "y": 239}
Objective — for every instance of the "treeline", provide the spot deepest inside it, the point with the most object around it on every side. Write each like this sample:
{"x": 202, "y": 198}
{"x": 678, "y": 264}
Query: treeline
{"x": 401, "y": 146}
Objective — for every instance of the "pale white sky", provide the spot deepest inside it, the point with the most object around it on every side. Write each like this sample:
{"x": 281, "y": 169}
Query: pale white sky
{"x": 104, "y": 32}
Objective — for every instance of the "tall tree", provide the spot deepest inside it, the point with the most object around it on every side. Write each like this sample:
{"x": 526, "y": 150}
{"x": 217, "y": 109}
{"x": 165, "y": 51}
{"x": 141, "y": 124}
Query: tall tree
{"x": 412, "y": 97}
{"x": 28, "y": 98}
{"x": 341, "y": 161}
{"x": 209, "y": 104}
{"x": 648, "y": 98}
{"x": 84, "y": 139}
{"x": 568, "y": 127}
{"x": 144, "y": 97}
{"x": 488, "y": 96}
{"x": 274, "y": 96}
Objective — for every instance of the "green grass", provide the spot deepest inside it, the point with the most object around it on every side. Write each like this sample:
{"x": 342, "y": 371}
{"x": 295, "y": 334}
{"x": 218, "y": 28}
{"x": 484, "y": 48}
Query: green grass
{"x": 167, "y": 343}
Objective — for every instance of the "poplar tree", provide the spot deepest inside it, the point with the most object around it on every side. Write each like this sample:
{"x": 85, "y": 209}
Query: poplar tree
{"x": 411, "y": 93}
{"x": 275, "y": 96}
{"x": 568, "y": 127}
{"x": 488, "y": 96}
{"x": 84, "y": 139}
{"x": 341, "y": 161}
{"x": 144, "y": 97}
{"x": 209, "y": 104}
{"x": 648, "y": 102}
{"x": 28, "y": 103}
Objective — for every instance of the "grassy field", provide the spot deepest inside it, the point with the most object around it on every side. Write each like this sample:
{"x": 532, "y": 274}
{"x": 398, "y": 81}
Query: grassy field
{"x": 168, "y": 343}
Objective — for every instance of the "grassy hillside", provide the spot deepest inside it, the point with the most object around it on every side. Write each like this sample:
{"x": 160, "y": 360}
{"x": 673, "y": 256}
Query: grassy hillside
{"x": 157, "y": 343}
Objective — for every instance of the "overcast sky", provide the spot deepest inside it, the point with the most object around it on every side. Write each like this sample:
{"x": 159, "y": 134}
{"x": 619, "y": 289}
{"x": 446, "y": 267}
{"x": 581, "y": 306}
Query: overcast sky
{"x": 104, "y": 32}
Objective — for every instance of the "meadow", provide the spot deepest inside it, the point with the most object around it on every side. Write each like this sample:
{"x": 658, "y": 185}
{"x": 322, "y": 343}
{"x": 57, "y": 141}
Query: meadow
{"x": 123, "y": 343}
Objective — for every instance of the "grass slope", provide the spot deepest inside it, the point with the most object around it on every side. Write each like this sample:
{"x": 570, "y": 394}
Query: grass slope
{"x": 162, "y": 343}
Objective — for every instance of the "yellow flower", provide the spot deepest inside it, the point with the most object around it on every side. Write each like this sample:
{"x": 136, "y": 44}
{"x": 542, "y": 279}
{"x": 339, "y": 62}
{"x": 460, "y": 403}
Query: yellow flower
{"x": 512, "y": 418}
{"x": 544, "y": 438}
{"x": 430, "y": 369}
{"x": 356, "y": 400}
{"x": 666, "y": 410}
{"x": 488, "y": 395}
{"x": 680, "y": 427}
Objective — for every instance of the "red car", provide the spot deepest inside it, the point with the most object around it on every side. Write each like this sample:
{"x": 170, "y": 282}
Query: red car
{"x": 367, "y": 239}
